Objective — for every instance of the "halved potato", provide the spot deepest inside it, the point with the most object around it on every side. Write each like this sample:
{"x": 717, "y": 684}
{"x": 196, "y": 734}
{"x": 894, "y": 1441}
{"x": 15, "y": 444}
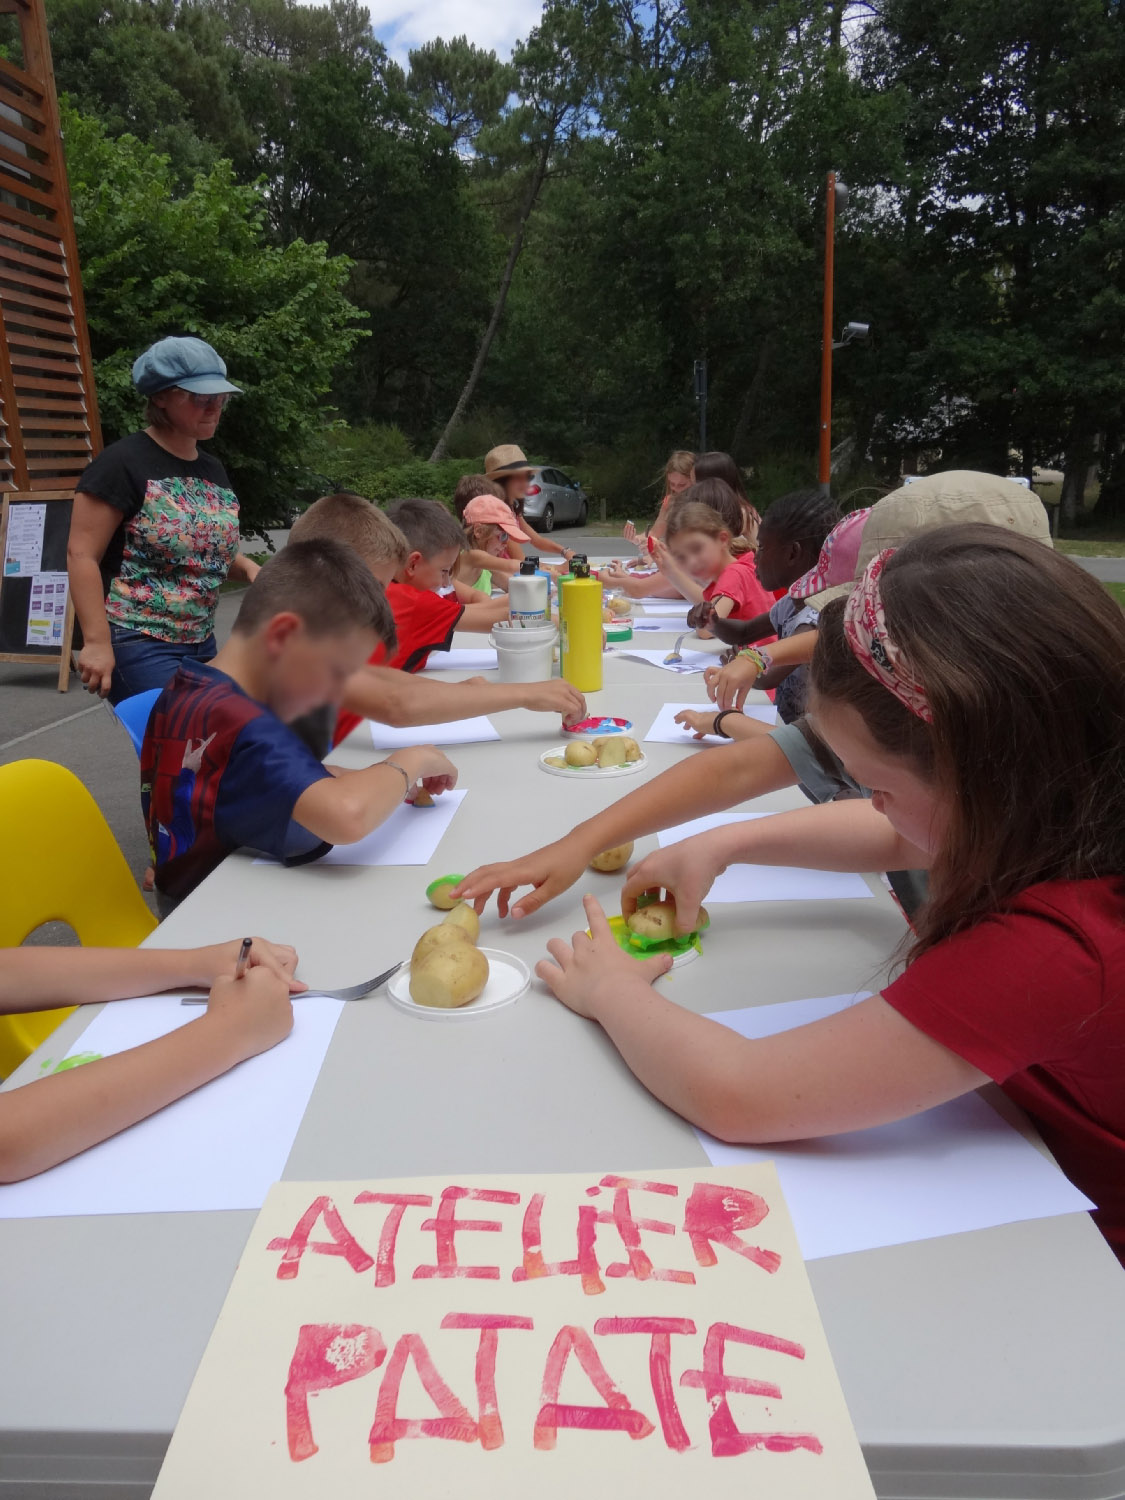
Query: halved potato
{"x": 444, "y": 935}
{"x": 579, "y": 753}
{"x": 437, "y": 892}
{"x": 612, "y": 753}
{"x": 465, "y": 917}
{"x": 657, "y": 921}
{"x": 449, "y": 977}
{"x": 554, "y": 760}
{"x": 632, "y": 749}
{"x": 610, "y": 860}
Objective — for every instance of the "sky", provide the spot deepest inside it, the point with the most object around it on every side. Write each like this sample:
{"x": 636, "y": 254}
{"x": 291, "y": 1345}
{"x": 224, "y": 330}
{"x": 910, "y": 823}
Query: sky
{"x": 402, "y": 24}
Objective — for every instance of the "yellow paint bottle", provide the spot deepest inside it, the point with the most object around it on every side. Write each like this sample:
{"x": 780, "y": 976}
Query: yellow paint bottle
{"x": 580, "y": 628}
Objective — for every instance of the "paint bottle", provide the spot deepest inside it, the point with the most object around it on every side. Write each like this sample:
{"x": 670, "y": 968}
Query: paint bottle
{"x": 529, "y": 593}
{"x": 580, "y": 613}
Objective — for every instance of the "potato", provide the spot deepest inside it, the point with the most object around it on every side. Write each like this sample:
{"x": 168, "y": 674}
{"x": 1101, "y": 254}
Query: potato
{"x": 441, "y": 936}
{"x": 613, "y": 859}
{"x": 422, "y": 798}
{"x": 437, "y": 892}
{"x": 612, "y": 753}
{"x": 465, "y": 917}
{"x": 632, "y": 749}
{"x": 620, "y": 605}
{"x": 554, "y": 760}
{"x": 579, "y": 753}
{"x": 658, "y": 921}
{"x": 449, "y": 977}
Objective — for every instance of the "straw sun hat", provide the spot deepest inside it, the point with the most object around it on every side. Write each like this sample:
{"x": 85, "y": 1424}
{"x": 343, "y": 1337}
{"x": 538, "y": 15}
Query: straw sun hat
{"x": 507, "y": 459}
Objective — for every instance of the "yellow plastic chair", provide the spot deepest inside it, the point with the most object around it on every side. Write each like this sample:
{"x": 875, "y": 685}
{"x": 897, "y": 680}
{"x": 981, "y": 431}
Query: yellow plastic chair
{"x": 59, "y": 862}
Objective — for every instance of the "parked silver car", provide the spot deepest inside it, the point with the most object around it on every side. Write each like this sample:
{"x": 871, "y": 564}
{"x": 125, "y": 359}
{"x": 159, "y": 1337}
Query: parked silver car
{"x": 554, "y": 500}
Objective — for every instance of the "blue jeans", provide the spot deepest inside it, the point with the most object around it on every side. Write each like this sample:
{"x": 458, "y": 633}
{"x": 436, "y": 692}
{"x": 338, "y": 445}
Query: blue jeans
{"x": 142, "y": 662}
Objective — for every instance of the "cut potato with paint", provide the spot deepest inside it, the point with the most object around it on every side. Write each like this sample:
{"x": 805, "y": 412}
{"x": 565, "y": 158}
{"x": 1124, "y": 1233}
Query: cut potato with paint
{"x": 612, "y": 753}
{"x": 450, "y": 976}
{"x": 657, "y": 922}
{"x": 555, "y": 760}
{"x": 610, "y": 860}
{"x": 442, "y": 936}
{"x": 632, "y": 749}
{"x": 438, "y": 892}
{"x": 580, "y": 754}
{"x": 465, "y": 917}
{"x": 619, "y": 605}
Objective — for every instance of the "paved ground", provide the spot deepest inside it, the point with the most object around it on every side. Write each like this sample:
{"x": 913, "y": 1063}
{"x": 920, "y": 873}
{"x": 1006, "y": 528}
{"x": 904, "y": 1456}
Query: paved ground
{"x": 37, "y": 720}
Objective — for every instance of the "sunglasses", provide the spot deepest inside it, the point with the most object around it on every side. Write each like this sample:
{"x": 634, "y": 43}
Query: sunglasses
{"x": 202, "y": 402}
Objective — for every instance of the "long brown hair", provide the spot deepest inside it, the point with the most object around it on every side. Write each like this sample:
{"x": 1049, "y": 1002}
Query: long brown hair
{"x": 716, "y": 465}
{"x": 1022, "y": 656}
{"x": 718, "y": 496}
{"x": 711, "y": 507}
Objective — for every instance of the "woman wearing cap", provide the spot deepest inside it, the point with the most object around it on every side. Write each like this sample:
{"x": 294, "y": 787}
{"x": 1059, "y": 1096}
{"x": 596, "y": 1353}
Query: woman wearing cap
{"x": 508, "y": 467}
{"x": 154, "y": 531}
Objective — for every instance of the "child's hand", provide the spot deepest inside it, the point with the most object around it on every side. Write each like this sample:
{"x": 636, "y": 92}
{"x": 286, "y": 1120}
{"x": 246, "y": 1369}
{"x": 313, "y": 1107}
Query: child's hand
{"x": 700, "y": 722}
{"x": 437, "y": 771}
{"x": 700, "y": 616}
{"x": 219, "y": 960}
{"x": 728, "y": 686}
{"x": 549, "y": 871}
{"x": 592, "y": 968}
{"x": 556, "y": 696}
{"x": 254, "y": 1012}
{"x": 686, "y": 870}
{"x": 660, "y": 552}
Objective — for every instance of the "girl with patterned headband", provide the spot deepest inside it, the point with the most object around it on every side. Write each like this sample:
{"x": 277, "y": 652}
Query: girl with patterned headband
{"x": 975, "y": 681}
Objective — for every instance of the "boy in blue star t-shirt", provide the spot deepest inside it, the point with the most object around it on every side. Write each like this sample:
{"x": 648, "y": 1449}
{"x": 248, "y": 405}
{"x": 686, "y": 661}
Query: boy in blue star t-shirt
{"x": 220, "y": 767}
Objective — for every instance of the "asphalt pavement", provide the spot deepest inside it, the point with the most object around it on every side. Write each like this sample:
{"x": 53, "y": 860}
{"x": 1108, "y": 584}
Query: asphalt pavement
{"x": 36, "y": 720}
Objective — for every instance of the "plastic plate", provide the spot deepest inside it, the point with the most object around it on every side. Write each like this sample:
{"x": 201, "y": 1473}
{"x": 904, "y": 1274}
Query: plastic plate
{"x": 508, "y": 979}
{"x": 590, "y": 773}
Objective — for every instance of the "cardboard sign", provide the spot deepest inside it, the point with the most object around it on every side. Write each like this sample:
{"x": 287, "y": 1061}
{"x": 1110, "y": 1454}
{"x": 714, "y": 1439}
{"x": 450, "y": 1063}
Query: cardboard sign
{"x": 500, "y": 1337}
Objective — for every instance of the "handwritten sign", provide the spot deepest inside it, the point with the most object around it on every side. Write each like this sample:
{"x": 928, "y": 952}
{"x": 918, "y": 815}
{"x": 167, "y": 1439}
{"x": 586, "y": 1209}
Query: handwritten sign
{"x": 500, "y": 1337}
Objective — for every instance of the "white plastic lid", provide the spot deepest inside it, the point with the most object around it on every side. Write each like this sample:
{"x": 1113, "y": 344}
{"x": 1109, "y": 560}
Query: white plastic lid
{"x": 508, "y": 979}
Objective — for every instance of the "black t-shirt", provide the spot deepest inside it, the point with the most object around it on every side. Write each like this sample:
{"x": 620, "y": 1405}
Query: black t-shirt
{"x": 164, "y": 565}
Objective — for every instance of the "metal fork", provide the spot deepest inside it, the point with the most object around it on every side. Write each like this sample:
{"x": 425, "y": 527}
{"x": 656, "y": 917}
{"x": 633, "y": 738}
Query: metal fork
{"x": 349, "y": 992}
{"x": 674, "y": 655}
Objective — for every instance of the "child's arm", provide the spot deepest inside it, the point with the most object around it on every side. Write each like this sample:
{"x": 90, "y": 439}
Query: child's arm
{"x": 403, "y": 698}
{"x": 729, "y": 685}
{"x": 741, "y": 632}
{"x": 735, "y": 773}
{"x": 541, "y": 543}
{"x": 849, "y": 835}
{"x": 652, "y": 586}
{"x": 43, "y": 978}
{"x": 56, "y": 1117}
{"x": 865, "y": 1066}
{"x": 484, "y": 614}
{"x": 347, "y": 805}
{"x": 678, "y": 577}
{"x": 736, "y": 726}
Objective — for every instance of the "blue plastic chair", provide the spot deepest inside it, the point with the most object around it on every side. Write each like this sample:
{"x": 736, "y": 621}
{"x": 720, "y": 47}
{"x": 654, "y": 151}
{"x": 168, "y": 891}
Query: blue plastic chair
{"x": 133, "y": 715}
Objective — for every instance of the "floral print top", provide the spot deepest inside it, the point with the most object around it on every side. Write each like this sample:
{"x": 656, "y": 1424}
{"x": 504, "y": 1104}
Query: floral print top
{"x": 164, "y": 565}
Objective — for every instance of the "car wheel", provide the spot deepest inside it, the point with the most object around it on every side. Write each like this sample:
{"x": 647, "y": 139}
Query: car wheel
{"x": 548, "y": 521}
{"x": 583, "y": 512}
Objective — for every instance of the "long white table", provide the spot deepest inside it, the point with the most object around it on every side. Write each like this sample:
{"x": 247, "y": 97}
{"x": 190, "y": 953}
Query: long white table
{"x": 980, "y": 1365}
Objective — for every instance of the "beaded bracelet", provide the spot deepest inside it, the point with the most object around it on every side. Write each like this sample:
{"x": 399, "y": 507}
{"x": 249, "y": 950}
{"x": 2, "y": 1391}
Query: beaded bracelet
{"x": 717, "y": 725}
{"x": 759, "y": 656}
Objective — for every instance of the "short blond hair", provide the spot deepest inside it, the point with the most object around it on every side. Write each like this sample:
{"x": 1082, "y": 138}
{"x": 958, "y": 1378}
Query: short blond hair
{"x": 349, "y": 518}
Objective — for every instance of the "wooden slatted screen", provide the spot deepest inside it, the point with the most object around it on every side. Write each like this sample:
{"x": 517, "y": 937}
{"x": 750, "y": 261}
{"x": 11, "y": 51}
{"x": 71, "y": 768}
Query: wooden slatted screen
{"x": 48, "y": 406}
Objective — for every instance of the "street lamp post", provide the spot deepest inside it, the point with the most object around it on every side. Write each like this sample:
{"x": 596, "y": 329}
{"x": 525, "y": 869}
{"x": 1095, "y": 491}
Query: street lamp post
{"x": 701, "y": 401}
{"x": 836, "y": 200}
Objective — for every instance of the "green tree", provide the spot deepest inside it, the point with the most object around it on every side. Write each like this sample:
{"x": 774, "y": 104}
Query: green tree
{"x": 464, "y": 87}
{"x": 157, "y": 260}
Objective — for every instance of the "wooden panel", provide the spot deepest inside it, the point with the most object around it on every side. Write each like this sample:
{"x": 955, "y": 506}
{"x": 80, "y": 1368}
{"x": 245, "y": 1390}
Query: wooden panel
{"x": 53, "y": 424}
{"x": 25, "y": 81}
{"x": 33, "y": 136}
{"x": 14, "y": 183}
{"x": 43, "y": 265}
{"x": 62, "y": 367}
{"x": 25, "y": 278}
{"x": 63, "y": 464}
{"x": 55, "y": 444}
{"x": 48, "y": 242}
{"x": 63, "y": 347}
{"x": 12, "y": 297}
{"x": 62, "y": 327}
{"x": 36, "y": 164}
{"x": 30, "y": 401}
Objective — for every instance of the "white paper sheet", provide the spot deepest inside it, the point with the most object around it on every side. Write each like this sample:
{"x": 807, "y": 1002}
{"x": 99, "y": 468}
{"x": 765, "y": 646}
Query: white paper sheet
{"x": 663, "y": 606}
{"x": 665, "y": 731}
{"x": 458, "y": 732}
{"x": 462, "y": 660}
{"x": 46, "y": 610}
{"x": 766, "y": 882}
{"x": 410, "y": 836}
{"x": 949, "y": 1170}
{"x": 220, "y": 1147}
{"x": 691, "y": 661}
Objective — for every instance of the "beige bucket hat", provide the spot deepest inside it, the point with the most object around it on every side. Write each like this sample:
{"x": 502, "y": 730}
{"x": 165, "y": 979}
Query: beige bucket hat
{"x": 507, "y": 459}
{"x": 950, "y": 499}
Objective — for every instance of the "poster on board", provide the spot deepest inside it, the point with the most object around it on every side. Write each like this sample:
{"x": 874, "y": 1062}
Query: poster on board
{"x": 46, "y": 610}
{"x": 557, "y": 1336}
{"x": 23, "y": 545}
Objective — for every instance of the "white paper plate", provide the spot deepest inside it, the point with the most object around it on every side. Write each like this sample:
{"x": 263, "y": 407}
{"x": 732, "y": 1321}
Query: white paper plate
{"x": 508, "y": 979}
{"x": 590, "y": 773}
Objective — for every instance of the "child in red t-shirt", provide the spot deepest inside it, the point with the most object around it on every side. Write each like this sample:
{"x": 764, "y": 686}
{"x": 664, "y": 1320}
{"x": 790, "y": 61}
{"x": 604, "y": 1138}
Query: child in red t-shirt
{"x": 700, "y": 555}
{"x": 994, "y": 742}
{"x": 425, "y": 602}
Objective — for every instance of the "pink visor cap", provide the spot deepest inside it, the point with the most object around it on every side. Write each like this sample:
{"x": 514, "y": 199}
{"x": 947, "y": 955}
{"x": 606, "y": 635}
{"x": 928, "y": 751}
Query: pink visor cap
{"x": 486, "y": 510}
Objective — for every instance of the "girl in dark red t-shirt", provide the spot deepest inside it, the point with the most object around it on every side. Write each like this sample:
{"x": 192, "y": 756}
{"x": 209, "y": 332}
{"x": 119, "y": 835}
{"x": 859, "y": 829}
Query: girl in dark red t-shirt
{"x": 994, "y": 744}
